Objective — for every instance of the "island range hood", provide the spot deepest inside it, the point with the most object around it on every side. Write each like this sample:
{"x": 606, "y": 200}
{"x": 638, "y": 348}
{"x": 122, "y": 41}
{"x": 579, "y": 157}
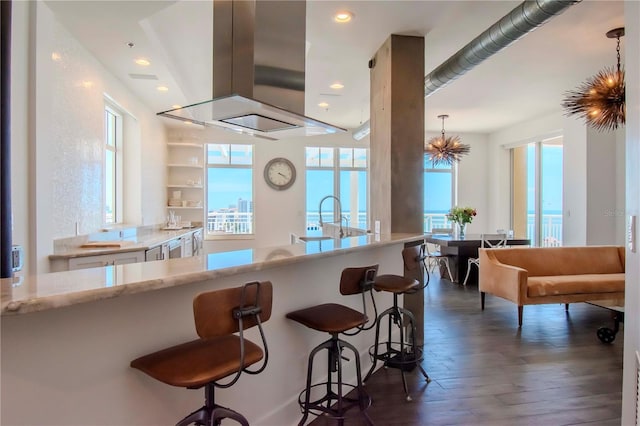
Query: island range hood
{"x": 259, "y": 52}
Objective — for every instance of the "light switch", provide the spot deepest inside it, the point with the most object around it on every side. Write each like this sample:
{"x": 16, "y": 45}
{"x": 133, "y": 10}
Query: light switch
{"x": 631, "y": 233}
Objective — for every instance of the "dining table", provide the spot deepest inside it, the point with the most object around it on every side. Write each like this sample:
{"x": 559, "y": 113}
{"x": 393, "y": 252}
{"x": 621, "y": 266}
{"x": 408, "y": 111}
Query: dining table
{"x": 459, "y": 249}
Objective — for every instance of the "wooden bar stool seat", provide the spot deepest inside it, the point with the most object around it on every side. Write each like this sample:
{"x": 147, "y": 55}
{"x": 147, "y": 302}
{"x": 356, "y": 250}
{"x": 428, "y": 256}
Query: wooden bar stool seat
{"x": 403, "y": 354}
{"x": 334, "y": 318}
{"x": 219, "y": 353}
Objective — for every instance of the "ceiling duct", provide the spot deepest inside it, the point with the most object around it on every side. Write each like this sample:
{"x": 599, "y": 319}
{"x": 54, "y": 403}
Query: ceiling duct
{"x": 259, "y": 50}
{"x": 523, "y": 19}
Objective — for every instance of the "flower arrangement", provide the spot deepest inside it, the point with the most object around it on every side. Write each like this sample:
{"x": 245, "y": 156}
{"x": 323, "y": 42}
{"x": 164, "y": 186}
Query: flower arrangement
{"x": 461, "y": 215}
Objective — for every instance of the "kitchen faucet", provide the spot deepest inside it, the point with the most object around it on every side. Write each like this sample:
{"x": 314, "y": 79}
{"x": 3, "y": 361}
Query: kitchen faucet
{"x": 337, "y": 200}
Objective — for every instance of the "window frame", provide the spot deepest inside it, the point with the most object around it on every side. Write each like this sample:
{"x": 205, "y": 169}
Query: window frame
{"x": 250, "y": 166}
{"x": 453, "y": 171}
{"x": 113, "y": 143}
{"x": 336, "y": 169}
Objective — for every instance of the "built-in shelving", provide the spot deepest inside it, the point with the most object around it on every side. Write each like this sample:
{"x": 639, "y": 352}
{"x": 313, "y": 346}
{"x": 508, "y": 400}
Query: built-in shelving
{"x": 185, "y": 176}
{"x": 185, "y": 186}
{"x": 184, "y": 208}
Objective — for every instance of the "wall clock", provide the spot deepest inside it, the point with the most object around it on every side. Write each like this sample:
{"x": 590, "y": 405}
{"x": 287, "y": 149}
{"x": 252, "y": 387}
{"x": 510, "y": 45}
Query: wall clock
{"x": 280, "y": 173}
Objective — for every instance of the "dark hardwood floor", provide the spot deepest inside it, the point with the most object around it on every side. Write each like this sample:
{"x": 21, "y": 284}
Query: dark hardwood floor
{"x": 487, "y": 371}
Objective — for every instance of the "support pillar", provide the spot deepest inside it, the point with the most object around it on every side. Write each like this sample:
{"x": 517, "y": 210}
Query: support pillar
{"x": 397, "y": 144}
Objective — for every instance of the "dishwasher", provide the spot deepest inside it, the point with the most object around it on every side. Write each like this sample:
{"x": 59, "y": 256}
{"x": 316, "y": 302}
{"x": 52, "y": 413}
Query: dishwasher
{"x": 175, "y": 248}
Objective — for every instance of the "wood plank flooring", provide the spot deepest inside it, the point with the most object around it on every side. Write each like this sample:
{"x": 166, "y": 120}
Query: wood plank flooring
{"x": 487, "y": 371}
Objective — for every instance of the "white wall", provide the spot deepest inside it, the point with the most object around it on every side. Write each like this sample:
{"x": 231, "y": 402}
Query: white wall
{"x": 63, "y": 181}
{"x": 602, "y": 187}
{"x": 21, "y": 172}
{"x": 473, "y": 180}
{"x": 632, "y": 296}
{"x": 574, "y": 191}
{"x": 593, "y": 166}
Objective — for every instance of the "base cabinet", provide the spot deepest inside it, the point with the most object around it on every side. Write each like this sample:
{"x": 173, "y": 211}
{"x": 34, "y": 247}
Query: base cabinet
{"x": 106, "y": 260}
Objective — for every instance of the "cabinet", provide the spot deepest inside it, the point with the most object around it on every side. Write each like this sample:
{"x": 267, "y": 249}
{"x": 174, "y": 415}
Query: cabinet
{"x": 106, "y": 260}
{"x": 185, "y": 177}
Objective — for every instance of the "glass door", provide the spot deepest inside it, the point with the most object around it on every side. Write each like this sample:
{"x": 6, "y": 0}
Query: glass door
{"x": 537, "y": 192}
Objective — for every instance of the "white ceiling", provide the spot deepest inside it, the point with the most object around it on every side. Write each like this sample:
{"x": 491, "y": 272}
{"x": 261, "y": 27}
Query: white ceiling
{"x": 523, "y": 81}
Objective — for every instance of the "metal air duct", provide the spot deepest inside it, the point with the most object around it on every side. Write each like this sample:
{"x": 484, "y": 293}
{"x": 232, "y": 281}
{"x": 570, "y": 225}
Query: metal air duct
{"x": 523, "y": 19}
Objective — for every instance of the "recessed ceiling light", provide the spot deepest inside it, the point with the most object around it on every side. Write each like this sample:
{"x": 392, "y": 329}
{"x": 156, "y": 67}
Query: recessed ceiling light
{"x": 87, "y": 84}
{"x": 337, "y": 86}
{"x": 176, "y": 106}
{"x": 163, "y": 89}
{"x": 55, "y": 56}
{"x": 143, "y": 62}
{"x": 323, "y": 105}
{"x": 343, "y": 17}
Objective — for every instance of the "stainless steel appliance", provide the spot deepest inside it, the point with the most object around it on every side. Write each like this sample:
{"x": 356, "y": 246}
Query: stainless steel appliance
{"x": 175, "y": 248}
{"x": 154, "y": 253}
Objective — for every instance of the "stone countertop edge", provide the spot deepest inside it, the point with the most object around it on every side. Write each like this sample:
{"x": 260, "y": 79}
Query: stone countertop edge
{"x": 22, "y": 295}
{"x": 154, "y": 240}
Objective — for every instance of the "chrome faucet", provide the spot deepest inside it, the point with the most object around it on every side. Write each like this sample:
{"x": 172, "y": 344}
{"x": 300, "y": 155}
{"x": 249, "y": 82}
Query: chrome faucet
{"x": 337, "y": 200}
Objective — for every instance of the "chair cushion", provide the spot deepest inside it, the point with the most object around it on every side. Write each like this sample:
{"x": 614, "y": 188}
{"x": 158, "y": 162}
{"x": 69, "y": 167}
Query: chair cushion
{"x": 329, "y": 317}
{"x": 575, "y": 284}
{"x": 395, "y": 283}
{"x": 196, "y": 363}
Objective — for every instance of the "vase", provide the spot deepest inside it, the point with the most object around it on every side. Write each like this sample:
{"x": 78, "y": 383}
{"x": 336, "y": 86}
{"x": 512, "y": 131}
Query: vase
{"x": 461, "y": 227}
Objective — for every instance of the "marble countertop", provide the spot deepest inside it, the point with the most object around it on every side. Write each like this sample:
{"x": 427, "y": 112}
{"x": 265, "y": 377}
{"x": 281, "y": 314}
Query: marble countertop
{"x": 142, "y": 241}
{"x": 21, "y": 295}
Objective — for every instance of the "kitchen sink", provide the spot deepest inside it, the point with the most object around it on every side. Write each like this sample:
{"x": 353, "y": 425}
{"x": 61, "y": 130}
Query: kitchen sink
{"x": 315, "y": 238}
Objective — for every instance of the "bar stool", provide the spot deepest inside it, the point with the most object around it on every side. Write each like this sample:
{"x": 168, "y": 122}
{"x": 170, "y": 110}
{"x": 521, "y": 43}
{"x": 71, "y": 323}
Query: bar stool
{"x": 403, "y": 354}
{"x": 334, "y": 319}
{"x": 219, "y": 352}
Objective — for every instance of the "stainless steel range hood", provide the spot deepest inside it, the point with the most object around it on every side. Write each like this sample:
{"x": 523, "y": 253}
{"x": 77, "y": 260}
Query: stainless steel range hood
{"x": 258, "y": 72}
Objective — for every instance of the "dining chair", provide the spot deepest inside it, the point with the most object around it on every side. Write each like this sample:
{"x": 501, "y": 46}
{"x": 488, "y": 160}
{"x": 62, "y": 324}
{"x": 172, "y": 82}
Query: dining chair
{"x": 434, "y": 255}
{"x": 486, "y": 241}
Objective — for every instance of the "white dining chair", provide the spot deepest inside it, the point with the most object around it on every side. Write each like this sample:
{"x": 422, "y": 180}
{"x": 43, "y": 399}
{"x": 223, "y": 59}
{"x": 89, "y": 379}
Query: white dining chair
{"x": 434, "y": 255}
{"x": 486, "y": 241}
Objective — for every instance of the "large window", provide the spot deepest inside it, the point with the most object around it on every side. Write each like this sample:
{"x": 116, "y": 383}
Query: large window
{"x": 439, "y": 194}
{"x": 229, "y": 189}
{"x": 341, "y": 172}
{"x": 112, "y": 166}
{"x": 537, "y": 192}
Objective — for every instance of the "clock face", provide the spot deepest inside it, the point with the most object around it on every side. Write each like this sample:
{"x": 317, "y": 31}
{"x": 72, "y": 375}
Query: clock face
{"x": 280, "y": 173}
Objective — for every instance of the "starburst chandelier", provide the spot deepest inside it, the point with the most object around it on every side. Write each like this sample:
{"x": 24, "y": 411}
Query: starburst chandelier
{"x": 445, "y": 150}
{"x": 601, "y": 99}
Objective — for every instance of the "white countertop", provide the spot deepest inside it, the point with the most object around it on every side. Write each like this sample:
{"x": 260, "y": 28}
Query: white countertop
{"x": 143, "y": 241}
{"x": 20, "y": 295}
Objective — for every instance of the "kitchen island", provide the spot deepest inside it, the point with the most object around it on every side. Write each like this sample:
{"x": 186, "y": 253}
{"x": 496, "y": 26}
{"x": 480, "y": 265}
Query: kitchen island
{"x": 68, "y": 337}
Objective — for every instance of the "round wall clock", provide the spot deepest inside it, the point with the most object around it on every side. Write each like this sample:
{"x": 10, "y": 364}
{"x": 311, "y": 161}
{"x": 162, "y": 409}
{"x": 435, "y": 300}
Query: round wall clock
{"x": 280, "y": 173}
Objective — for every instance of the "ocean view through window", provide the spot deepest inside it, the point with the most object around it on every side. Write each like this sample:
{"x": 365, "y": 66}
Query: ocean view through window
{"x": 537, "y": 177}
{"x": 229, "y": 189}
{"x": 341, "y": 172}
{"x": 439, "y": 194}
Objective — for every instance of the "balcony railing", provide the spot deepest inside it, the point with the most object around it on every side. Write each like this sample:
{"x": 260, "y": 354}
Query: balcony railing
{"x": 229, "y": 223}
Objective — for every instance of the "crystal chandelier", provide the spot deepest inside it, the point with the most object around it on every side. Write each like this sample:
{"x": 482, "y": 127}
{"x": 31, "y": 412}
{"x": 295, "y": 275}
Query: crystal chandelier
{"x": 601, "y": 99}
{"x": 445, "y": 150}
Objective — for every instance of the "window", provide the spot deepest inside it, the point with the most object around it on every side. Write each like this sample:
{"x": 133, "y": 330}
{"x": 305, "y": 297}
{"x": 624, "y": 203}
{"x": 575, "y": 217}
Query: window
{"x": 112, "y": 166}
{"x": 537, "y": 191}
{"x": 340, "y": 172}
{"x": 229, "y": 189}
{"x": 439, "y": 194}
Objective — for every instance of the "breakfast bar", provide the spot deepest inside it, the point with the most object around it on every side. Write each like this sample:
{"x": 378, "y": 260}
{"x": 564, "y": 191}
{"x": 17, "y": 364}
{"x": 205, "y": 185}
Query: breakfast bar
{"x": 68, "y": 337}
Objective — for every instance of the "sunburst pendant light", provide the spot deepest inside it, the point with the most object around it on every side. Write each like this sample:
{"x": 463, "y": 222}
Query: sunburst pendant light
{"x": 445, "y": 150}
{"x": 601, "y": 99}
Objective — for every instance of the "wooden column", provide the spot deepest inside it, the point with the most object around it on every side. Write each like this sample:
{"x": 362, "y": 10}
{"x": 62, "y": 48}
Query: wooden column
{"x": 397, "y": 145}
